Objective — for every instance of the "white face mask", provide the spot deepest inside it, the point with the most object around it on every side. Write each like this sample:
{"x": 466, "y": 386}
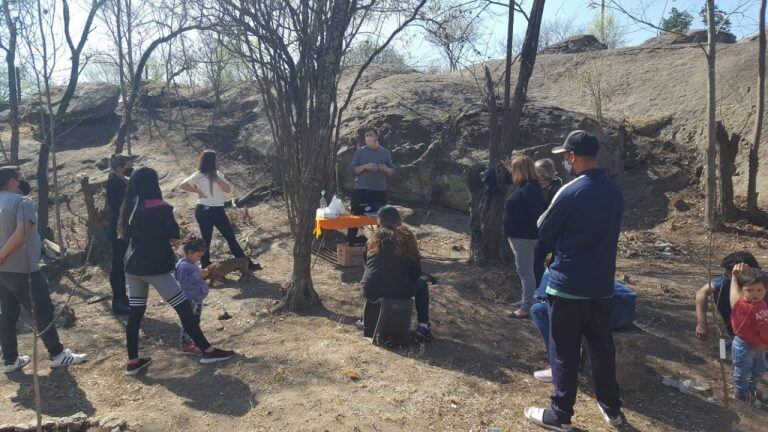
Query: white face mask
{"x": 568, "y": 167}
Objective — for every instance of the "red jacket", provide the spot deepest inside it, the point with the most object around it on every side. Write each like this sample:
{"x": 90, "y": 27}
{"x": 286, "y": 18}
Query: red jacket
{"x": 750, "y": 322}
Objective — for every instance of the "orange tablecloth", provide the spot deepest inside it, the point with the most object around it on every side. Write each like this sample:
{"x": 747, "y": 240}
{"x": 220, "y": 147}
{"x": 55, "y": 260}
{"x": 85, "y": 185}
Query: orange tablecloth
{"x": 345, "y": 221}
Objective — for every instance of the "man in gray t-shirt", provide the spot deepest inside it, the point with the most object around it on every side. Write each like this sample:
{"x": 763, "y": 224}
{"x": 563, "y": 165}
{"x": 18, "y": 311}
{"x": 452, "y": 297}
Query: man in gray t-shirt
{"x": 21, "y": 281}
{"x": 17, "y": 210}
{"x": 372, "y": 165}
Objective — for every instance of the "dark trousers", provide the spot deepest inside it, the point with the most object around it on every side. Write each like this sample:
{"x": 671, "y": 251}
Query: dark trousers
{"x": 376, "y": 199}
{"x": 117, "y": 271}
{"x": 569, "y": 321}
{"x": 539, "y": 257}
{"x": 209, "y": 217}
{"x": 189, "y": 322}
{"x": 421, "y": 299}
{"x": 14, "y": 293}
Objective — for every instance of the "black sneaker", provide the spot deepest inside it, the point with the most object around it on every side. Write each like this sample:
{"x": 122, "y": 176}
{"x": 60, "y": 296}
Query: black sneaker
{"x": 254, "y": 266}
{"x": 217, "y": 355}
{"x": 424, "y": 332}
{"x": 136, "y": 368}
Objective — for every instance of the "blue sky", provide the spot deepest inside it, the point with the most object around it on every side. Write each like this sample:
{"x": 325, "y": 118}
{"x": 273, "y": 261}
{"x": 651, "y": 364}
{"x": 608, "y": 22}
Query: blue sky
{"x": 744, "y": 22}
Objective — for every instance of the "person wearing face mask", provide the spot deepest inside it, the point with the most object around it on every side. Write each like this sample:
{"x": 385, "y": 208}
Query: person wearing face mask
{"x": 372, "y": 165}
{"x": 582, "y": 226}
{"x": 121, "y": 168}
{"x": 21, "y": 281}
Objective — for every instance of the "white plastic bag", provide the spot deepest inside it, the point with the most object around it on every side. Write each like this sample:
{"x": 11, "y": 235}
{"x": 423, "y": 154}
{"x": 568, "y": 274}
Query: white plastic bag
{"x": 337, "y": 206}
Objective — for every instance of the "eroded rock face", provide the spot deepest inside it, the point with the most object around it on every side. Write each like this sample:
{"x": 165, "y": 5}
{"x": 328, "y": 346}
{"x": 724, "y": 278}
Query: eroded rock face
{"x": 434, "y": 170}
{"x": 575, "y": 44}
{"x": 692, "y": 36}
{"x": 92, "y": 101}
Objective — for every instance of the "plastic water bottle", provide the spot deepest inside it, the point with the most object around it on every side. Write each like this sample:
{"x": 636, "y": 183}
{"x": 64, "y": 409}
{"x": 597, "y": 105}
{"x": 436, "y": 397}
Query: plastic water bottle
{"x": 323, "y": 202}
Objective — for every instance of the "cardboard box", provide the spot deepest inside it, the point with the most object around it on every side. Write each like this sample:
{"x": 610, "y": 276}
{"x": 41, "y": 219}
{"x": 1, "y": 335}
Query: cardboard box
{"x": 349, "y": 256}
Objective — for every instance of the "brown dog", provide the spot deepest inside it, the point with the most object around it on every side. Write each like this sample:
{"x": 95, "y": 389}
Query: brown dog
{"x": 220, "y": 269}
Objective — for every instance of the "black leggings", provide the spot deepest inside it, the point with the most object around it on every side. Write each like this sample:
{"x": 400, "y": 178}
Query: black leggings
{"x": 188, "y": 322}
{"x": 117, "y": 271}
{"x": 209, "y": 217}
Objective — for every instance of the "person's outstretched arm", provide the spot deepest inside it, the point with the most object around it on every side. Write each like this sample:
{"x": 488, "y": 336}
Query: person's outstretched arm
{"x": 702, "y": 303}
{"x": 735, "y": 293}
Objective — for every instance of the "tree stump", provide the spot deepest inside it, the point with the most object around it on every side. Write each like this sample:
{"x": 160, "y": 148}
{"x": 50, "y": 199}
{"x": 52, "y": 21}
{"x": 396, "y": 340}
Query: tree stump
{"x": 98, "y": 241}
{"x": 631, "y": 350}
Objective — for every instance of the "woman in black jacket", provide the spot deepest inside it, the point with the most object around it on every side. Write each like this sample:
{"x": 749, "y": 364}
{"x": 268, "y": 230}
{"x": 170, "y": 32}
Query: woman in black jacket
{"x": 393, "y": 267}
{"x": 550, "y": 184}
{"x": 147, "y": 222}
{"x": 521, "y": 212}
{"x": 121, "y": 168}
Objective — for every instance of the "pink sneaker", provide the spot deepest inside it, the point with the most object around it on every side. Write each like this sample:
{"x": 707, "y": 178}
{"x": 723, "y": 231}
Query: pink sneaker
{"x": 189, "y": 348}
{"x": 544, "y": 375}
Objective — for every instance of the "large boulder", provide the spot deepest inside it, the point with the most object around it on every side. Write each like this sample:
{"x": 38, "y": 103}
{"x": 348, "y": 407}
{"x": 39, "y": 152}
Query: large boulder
{"x": 433, "y": 160}
{"x": 91, "y": 101}
{"x": 575, "y": 44}
{"x": 690, "y": 37}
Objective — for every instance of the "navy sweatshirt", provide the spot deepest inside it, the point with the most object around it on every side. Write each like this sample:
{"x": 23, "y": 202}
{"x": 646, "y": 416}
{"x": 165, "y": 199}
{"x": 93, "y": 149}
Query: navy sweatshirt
{"x": 582, "y": 225}
{"x": 522, "y": 209}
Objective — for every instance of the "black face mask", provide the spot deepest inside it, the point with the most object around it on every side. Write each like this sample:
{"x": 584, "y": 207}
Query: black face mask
{"x": 128, "y": 172}
{"x": 25, "y": 187}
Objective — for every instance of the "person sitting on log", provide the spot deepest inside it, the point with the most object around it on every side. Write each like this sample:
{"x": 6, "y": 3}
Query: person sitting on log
{"x": 393, "y": 267}
{"x": 718, "y": 287}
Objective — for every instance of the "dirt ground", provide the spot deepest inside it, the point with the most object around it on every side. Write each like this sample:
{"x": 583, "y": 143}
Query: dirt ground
{"x": 315, "y": 372}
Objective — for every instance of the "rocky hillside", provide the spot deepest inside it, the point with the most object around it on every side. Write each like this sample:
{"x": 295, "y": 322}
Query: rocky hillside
{"x": 436, "y": 126}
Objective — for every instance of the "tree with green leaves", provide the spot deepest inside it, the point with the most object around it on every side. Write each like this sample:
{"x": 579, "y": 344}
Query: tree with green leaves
{"x": 679, "y": 21}
{"x": 362, "y": 51}
{"x": 608, "y": 24}
{"x": 722, "y": 22}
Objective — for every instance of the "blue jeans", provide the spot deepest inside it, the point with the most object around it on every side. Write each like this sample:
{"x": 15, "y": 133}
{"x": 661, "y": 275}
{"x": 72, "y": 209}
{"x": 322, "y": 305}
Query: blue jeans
{"x": 540, "y": 317}
{"x": 524, "y": 263}
{"x": 749, "y": 365}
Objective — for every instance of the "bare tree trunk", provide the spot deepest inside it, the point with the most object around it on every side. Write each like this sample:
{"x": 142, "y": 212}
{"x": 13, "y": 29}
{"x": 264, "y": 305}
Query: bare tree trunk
{"x": 98, "y": 241}
{"x": 754, "y": 150}
{"x": 710, "y": 191}
{"x": 13, "y": 91}
{"x": 729, "y": 147}
{"x": 487, "y": 242}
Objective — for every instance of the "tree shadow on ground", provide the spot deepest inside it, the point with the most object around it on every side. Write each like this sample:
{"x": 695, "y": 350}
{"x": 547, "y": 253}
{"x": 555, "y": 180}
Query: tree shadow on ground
{"x": 257, "y": 288}
{"x": 61, "y": 395}
{"x": 210, "y": 391}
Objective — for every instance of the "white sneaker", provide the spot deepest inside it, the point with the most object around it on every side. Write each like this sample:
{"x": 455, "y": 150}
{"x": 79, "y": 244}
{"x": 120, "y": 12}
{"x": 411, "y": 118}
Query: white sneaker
{"x": 67, "y": 358}
{"x": 544, "y": 375}
{"x": 614, "y": 421}
{"x": 19, "y": 364}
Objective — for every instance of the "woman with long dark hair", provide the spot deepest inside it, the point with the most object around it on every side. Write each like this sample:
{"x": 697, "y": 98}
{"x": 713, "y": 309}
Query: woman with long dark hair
{"x": 393, "y": 267}
{"x": 147, "y": 223}
{"x": 210, "y": 185}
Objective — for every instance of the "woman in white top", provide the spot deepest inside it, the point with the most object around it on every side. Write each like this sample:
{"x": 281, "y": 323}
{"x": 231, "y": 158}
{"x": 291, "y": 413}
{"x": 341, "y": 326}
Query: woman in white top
{"x": 210, "y": 185}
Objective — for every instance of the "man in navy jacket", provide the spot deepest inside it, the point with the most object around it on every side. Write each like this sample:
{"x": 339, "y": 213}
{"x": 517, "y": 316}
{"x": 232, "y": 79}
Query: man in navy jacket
{"x": 582, "y": 225}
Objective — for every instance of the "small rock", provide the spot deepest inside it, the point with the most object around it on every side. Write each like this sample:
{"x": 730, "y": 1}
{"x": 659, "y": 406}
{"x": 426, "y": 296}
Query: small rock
{"x": 97, "y": 298}
{"x": 225, "y": 316}
{"x": 102, "y": 164}
{"x": 681, "y": 205}
{"x": 74, "y": 258}
{"x": 220, "y": 327}
{"x": 67, "y": 317}
{"x": 113, "y": 423}
{"x": 457, "y": 248}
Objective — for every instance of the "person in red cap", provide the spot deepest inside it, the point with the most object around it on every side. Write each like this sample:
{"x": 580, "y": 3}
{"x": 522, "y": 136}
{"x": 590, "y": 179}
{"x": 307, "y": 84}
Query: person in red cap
{"x": 582, "y": 226}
